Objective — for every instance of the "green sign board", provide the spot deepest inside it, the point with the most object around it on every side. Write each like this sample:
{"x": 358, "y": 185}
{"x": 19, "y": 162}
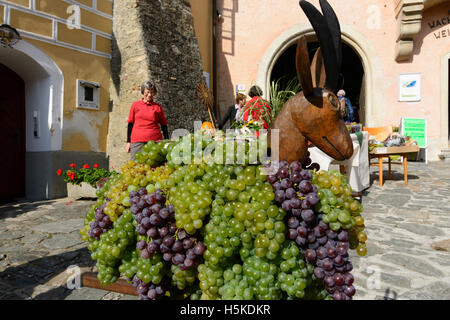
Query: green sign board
{"x": 416, "y": 129}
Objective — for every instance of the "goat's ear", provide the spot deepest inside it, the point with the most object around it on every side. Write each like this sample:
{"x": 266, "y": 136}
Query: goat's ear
{"x": 319, "y": 76}
{"x": 303, "y": 67}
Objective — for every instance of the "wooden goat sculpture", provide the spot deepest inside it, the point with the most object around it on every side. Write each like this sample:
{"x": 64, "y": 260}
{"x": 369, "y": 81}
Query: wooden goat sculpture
{"x": 313, "y": 114}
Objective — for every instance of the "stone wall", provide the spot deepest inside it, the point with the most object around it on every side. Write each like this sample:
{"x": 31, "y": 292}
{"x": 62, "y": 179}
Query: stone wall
{"x": 153, "y": 39}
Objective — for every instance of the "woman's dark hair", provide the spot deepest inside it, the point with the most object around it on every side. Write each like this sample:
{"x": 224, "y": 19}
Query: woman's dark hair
{"x": 255, "y": 91}
{"x": 149, "y": 86}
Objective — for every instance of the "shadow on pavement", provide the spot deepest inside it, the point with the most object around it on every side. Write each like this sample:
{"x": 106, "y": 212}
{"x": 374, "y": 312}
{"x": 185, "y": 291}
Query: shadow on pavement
{"x": 13, "y": 209}
{"x": 19, "y": 282}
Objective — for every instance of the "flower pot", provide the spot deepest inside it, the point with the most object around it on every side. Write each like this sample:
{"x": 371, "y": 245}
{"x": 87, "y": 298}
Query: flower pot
{"x": 84, "y": 190}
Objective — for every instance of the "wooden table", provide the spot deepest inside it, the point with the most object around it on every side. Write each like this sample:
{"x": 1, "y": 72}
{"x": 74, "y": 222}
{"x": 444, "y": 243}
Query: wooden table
{"x": 381, "y": 153}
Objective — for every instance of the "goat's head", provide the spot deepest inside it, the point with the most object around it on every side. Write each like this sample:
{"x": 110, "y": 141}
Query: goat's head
{"x": 315, "y": 112}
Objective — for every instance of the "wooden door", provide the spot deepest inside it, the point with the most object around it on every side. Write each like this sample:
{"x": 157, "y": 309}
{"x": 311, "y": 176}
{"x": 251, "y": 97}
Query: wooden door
{"x": 12, "y": 135}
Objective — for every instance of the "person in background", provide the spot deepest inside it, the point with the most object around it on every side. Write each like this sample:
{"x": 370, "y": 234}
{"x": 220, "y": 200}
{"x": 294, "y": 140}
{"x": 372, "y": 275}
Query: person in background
{"x": 257, "y": 108}
{"x": 349, "y": 114}
{"x": 234, "y": 111}
{"x": 144, "y": 121}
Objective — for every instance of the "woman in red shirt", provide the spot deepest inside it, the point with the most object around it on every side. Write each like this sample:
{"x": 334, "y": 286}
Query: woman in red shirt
{"x": 144, "y": 120}
{"x": 257, "y": 108}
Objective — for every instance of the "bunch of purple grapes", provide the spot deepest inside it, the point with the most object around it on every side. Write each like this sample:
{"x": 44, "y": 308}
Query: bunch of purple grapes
{"x": 149, "y": 291}
{"x": 331, "y": 261}
{"x": 325, "y": 249}
{"x": 102, "y": 222}
{"x": 157, "y": 221}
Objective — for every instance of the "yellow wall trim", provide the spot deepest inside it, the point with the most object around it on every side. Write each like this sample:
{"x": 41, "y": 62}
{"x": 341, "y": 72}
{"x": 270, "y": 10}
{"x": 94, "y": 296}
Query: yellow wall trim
{"x": 93, "y": 27}
{"x": 26, "y": 21}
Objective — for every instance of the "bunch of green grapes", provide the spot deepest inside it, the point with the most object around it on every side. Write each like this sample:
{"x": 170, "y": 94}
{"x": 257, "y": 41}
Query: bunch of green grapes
{"x": 152, "y": 269}
{"x": 295, "y": 274}
{"x": 128, "y": 266}
{"x": 112, "y": 246}
{"x": 183, "y": 279}
{"x": 153, "y": 153}
{"x": 236, "y": 285}
{"x": 191, "y": 199}
{"x": 261, "y": 275}
{"x": 339, "y": 208}
{"x": 211, "y": 279}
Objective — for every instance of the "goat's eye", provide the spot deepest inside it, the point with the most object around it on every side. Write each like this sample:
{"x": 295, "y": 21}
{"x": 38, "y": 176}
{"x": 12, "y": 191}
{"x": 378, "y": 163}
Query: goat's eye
{"x": 333, "y": 101}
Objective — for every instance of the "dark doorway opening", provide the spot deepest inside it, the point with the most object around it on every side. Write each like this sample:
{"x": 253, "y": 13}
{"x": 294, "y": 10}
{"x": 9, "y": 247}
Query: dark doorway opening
{"x": 12, "y": 135}
{"x": 352, "y": 70}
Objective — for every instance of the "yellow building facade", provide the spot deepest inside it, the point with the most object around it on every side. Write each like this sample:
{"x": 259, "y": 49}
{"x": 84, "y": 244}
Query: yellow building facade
{"x": 61, "y": 67}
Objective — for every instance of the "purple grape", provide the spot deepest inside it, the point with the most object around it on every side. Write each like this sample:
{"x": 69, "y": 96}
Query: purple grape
{"x": 96, "y": 232}
{"x": 331, "y": 234}
{"x": 163, "y": 248}
{"x": 179, "y": 258}
{"x": 343, "y": 236}
{"x": 167, "y": 256}
{"x": 152, "y": 247}
{"x": 338, "y": 261}
{"x": 322, "y": 240}
{"x": 199, "y": 248}
{"x": 141, "y": 245}
{"x": 349, "y": 291}
{"x": 308, "y": 215}
{"x": 328, "y": 280}
{"x": 313, "y": 245}
{"x": 272, "y": 179}
{"x": 349, "y": 266}
{"x": 145, "y": 212}
{"x": 141, "y": 230}
{"x": 141, "y": 204}
{"x": 338, "y": 295}
{"x": 188, "y": 262}
{"x": 310, "y": 255}
{"x": 155, "y": 219}
{"x": 293, "y": 223}
{"x": 332, "y": 252}
{"x": 164, "y": 231}
{"x": 305, "y": 174}
{"x": 145, "y": 254}
{"x": 164, "y": 213}
{"x": 172, "y": 228}
{"x": 327, "y": 264}
{"x": 177, "y": 246}
{"x": 338, "y": 279}
{"x": 152, "y": 233}
{"x": 295, "y": 177}
{"x": 296, "y": 203}
{"x": 296, "y": 212}
{"x": 312, "y": 198}
{"x": 286, "y": 205}
{"x": 277, "y": 186}
{"x": 133, "y": 194}
{"x": 302, "y": 231}
{"x": 134, "y": 209}
{"x": 321, "y": 253}
{"x": 188, "y": 243}
{"x": 291, "y": 193}
{"x": 101, "y": 224}
{"x": 348, "y": 279}
{"x": 300, "y": 241}
{"x": 280, "y": 196}
{"x": 318, "y": 272}
{"x": 295, "y": 166}
{"x": 306, "y": 204}
{"x": 168, "y": 241}
{"x": 155, "y": 208}
{"x": 292, "y": 234}
{"x": 182, "y": 234}
{"x": 311, "y": 238}
{"x": 146, "y": 223}
{"x": 286, "y": 184}
{"x": 150, "y": 199}
{"x": 190, "y": 254}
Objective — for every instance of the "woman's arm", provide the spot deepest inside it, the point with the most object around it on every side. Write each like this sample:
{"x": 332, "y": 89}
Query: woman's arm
{"x": 130, "y": 128}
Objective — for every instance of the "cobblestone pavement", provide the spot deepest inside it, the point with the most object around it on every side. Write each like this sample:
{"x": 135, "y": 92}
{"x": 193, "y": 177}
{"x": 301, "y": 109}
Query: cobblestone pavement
{"x": 40, "y": 240}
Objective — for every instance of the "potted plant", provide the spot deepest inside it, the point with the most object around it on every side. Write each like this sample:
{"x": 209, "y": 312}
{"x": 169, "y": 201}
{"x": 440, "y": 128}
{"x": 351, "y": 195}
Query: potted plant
{"x": 83, "y": 183}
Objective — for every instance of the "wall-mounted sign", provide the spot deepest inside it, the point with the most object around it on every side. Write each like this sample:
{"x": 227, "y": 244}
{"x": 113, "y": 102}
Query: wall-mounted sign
{"x": 240, "y": 88}
{"x": 88, "y": 95}
{"x": 409, "y": 87}
{"x": 416, "y": 128}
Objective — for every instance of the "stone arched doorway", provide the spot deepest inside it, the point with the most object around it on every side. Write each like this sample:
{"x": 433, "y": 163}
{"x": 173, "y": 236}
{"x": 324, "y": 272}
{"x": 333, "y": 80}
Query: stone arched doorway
{"x": 284, "y": 72}
{"x": 43, "y": 94}
{"x": 353, "y": 39}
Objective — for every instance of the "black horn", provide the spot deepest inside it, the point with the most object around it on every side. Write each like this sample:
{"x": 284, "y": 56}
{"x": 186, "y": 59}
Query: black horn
{"x": 327, "y": 44}
{"x": 335, "y": 29}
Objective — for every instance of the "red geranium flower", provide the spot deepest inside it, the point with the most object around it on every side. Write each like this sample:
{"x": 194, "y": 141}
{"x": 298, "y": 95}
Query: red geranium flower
{"x": 72, "y": 165}
{"x": 96, "y": 165}
{"x": 59, "y": 172}
{"x": 86, "y": 166}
